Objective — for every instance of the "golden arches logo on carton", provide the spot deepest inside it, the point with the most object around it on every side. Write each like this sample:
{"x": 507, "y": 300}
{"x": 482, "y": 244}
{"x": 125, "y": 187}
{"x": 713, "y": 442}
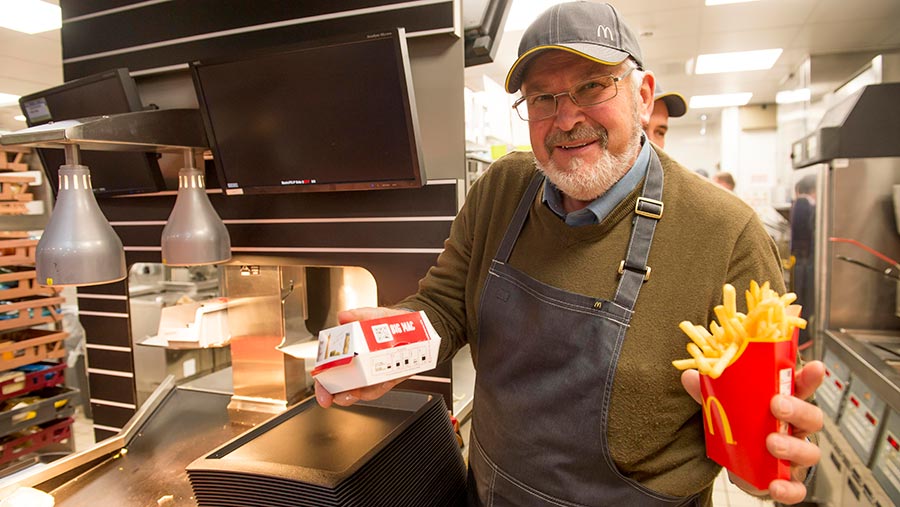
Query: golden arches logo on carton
{"x": 726, "y": 426}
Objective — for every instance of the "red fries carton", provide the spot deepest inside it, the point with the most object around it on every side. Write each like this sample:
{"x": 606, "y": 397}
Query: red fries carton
{"x": 368, "y": 352}
{"x": 736, "y": 413}
{"x": 744, "y": 360}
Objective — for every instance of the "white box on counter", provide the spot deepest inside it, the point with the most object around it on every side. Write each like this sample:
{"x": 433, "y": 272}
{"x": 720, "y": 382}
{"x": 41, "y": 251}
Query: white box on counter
{"x": 368, "y": 352}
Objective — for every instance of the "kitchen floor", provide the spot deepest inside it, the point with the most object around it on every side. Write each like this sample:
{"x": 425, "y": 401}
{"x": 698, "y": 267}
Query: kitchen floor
{"x": 725, "y": 494}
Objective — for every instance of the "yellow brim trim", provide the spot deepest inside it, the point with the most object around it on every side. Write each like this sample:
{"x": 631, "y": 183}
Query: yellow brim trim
{"x": 562, "y": 48}
{"x": 674, "y": 94}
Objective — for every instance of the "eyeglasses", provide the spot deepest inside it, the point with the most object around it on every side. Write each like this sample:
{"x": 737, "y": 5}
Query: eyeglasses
{"x": 540, "y": 106}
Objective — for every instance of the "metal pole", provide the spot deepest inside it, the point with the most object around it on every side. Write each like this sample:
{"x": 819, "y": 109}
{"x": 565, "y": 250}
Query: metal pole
{"x": 73, "y": 154}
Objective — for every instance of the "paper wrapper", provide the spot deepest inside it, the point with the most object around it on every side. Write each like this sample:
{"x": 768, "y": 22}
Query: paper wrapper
{"x": 736, "y": 413}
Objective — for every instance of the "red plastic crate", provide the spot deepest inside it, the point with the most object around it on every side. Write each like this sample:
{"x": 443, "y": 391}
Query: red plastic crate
{"x": 14, "y": 446}
{"x": 26, "y": 382}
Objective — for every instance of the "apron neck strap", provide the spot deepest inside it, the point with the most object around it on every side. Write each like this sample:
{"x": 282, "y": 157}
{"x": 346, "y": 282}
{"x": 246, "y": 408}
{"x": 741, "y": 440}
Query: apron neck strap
{"x": 518, "y": 220}
{"x": 648, "y": 210}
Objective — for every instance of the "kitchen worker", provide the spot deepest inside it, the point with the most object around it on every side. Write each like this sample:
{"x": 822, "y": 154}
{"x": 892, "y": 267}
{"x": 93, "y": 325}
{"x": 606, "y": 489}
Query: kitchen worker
{"x": 547, "y": 276}
{"x": 665, "y": 105}
{"x": 725, "y": 180}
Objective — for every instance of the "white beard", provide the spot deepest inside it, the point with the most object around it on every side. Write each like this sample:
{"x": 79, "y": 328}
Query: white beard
{"x": 586, "y": 182}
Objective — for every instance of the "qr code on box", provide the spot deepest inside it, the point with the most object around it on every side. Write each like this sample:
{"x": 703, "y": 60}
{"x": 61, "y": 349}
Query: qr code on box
{"x": 382, "y": 333}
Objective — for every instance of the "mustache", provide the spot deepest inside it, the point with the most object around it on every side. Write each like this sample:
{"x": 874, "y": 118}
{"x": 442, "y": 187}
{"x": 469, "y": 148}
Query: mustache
{"x": 579, "y": 133}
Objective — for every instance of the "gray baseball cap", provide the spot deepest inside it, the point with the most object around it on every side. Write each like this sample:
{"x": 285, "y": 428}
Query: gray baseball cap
{"x": 675, "y": 102}
{"x": 592, "y": 30}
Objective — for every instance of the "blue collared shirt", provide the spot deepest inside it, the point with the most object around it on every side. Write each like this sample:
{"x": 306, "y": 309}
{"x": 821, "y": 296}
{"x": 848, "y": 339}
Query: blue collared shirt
{"x": 597, "y": 210}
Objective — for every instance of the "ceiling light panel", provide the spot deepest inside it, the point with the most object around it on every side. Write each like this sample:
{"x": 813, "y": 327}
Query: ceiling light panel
{"x": 29, "y": 16}
{"x": 724, "y": 2}
{"x": 523, "y": 12}
{"x": 792, "y": 96}
{"x": 8, "y": 99}
{"x": 739, "y": 61}
{"x": 721, "y": 100}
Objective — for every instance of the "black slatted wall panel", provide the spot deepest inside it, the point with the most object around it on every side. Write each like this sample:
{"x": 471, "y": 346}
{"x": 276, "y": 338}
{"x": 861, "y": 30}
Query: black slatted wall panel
{"x": 148, "y": 35}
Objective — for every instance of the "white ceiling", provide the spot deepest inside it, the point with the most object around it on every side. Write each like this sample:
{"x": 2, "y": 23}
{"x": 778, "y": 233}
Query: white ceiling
{"x": 671, "y": 32}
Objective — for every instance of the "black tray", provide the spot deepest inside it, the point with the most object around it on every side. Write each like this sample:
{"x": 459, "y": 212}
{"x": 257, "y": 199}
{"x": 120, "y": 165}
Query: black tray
{"x": 385, "y": 452}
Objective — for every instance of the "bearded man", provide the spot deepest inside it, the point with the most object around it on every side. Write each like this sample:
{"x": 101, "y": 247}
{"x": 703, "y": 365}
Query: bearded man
{"x": 576, "y": 400}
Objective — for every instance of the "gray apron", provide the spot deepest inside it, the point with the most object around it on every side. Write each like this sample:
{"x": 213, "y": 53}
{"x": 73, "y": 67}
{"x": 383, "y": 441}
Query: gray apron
{"x": 546, "y": 363}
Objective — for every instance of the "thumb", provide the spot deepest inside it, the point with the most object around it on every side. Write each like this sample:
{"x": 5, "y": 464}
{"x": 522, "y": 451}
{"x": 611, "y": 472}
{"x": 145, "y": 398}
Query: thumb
{"x": 690, "y": 379}
{"x": 367, "y": 313}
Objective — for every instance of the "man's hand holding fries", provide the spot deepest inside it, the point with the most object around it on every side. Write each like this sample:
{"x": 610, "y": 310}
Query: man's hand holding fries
{"x": 805, "y": 419}
{"x": 769, "y": 317}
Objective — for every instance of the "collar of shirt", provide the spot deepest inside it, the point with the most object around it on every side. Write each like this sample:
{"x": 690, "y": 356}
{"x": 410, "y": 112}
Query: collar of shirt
{"x": 597, "y": 210}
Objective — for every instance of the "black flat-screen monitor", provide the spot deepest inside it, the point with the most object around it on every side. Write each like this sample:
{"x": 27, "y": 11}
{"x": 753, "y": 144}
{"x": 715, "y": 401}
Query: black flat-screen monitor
{"x": 325, "y": 116}
{"x": 106, "y": 93}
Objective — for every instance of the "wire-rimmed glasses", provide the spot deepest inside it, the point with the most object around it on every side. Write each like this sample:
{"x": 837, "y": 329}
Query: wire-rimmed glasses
{"x": 540, "y": 106}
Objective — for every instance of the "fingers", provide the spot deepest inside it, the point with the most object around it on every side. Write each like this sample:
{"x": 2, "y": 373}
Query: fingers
{"x": 787, "y": 492}
{"x": 367, "y": 313}
{"x": 378, "y": 390}
{"x": 808, "y": 379}
{"x": 798, "y": 451}
{"x": 794, "y": 448}
{"x": 690, "y": 379}
{"x": 323, "y": 396}
{"x": 805, "y": 417}
{"x": 347, "y": 398}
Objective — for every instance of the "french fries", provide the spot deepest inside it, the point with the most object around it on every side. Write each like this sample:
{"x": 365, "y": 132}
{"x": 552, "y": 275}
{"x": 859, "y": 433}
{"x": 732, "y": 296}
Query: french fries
{"x": 769, "y": 318}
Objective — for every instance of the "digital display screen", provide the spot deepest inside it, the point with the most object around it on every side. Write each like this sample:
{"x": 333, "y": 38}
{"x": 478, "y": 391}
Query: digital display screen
{"x": 325, "y": 116}
{"x": 107, "y": 93}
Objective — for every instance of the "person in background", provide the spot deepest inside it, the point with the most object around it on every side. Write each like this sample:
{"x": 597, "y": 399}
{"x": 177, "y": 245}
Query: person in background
{"x": 803, "y": 227}
{"x": 665, "y": 106}
{"x": 702, "y": 173}
{"x": 776, "y": 225}
{"x": 546, "y": 275}
{"x": 724, "y": 180}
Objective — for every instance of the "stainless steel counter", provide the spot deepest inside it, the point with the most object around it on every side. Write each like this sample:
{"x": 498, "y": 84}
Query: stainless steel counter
{"x": 873, "y": 356}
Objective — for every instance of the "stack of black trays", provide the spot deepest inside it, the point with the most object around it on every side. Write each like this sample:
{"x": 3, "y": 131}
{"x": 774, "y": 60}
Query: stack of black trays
{"x": 397, "y": 451}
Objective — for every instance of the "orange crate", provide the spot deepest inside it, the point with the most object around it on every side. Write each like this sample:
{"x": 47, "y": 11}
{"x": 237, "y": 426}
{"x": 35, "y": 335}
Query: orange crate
{"x": 13, "y": 158}
{"x": 17, "y": 251}
{"x": 30, "y": 311}
{"x": 13, "y": 235}
{"x": 20, "y": 284}
{"x": 26, "y": 346}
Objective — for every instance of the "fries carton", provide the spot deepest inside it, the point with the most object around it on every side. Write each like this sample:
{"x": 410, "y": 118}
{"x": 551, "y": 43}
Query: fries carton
{"x": 745, "y": 360}
{"x": 736, "y": 413}
{"x": 368, "y": 352}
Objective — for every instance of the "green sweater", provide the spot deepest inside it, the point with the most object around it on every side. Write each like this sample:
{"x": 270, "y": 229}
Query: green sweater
{"x": 706, "y": 237}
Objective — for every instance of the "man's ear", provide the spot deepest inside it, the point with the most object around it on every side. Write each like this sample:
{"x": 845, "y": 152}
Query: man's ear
{"x": 648, "y": 88}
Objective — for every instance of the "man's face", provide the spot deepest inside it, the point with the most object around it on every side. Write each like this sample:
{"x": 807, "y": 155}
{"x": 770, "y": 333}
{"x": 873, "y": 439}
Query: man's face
{"x": 585, "y": 150}
{"x": 659, "y": 123}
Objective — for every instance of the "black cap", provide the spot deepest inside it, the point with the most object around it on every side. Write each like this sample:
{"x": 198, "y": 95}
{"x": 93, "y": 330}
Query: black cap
{"x": 592, "y": 30}
{"x": 675, "y": 102}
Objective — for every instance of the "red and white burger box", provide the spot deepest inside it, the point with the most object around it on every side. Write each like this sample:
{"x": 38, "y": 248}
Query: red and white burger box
{"x": 368, "y": 352}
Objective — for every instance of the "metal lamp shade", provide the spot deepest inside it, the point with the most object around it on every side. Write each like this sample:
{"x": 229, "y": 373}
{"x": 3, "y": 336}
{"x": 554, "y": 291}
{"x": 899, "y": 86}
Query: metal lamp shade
{"x": 194, "y": 233}
{"x": 78, "y": 246}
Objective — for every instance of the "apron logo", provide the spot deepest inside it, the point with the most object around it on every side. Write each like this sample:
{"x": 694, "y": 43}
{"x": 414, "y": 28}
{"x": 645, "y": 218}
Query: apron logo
{"x": 598, "y": 305}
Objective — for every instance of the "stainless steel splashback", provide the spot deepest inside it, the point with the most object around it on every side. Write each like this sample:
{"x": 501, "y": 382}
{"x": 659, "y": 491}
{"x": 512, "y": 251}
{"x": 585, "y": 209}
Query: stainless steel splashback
{"x": 278, "y": 304}
{"x": 862, "y": 209}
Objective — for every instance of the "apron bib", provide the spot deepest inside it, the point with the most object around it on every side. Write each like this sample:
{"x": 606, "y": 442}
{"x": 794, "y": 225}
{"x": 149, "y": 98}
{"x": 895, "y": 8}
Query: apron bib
{"x": 548, "y": 358}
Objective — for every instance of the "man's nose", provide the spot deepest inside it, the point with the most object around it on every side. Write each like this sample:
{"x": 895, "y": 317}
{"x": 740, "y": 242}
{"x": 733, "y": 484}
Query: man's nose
{"x": 568, "y": 114}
